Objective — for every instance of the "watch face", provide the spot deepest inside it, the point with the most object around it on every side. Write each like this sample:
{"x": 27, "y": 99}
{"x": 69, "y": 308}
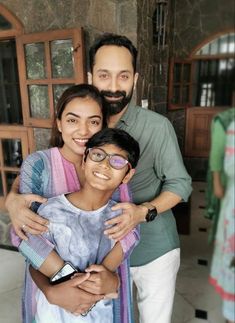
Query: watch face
{"x": 151, "y": 215}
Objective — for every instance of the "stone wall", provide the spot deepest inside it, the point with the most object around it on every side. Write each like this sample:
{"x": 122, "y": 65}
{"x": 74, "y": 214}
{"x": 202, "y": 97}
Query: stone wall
{"x": 95, "y": 16}
{"x": 153, "y": 63}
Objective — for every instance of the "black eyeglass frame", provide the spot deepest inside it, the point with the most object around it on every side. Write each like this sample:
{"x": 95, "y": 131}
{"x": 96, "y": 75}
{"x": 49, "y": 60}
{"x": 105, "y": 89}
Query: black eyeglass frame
{"x": 109, "y": 156}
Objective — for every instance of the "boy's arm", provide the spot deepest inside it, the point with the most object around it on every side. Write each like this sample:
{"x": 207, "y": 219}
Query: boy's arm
{"x": 52, "y": 264}
{"x": 114, "y": 258}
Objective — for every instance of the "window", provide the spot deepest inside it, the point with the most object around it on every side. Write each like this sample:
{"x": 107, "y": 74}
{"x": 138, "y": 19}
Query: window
{"x": 211, "y": 71}
{"x": 10, "y": 101}
{"x": 50, "y": 62}
{"x": 159, "y": 24}
{"x": 180, "y": 77}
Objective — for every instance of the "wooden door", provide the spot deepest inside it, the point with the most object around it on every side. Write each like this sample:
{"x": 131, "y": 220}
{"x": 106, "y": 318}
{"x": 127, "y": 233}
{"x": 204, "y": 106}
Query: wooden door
{"x": 197, "y": 137}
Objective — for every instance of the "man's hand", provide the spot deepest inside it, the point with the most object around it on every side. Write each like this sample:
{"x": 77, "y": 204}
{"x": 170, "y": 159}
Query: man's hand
{"x": 69, "y": 296}
{"x": 22, "y": 218}
{"x": 101, "y": 281}
{"x": 131, "y": 216}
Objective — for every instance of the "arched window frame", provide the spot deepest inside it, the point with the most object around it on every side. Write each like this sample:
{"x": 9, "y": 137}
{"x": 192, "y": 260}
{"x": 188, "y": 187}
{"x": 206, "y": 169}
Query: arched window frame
{"x": 181, "y": 83}
{"x": 17, "y": 27}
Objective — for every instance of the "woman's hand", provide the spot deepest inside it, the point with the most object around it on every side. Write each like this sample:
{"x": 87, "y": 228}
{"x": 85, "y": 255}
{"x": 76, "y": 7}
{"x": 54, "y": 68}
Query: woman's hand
{"x": 22, "y": 218}
{"x": 101, "y": 281}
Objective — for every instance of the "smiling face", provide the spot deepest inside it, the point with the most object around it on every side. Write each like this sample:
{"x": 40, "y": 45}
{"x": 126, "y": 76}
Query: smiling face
{"x": 113, "y": 74}
{"x": 81, "y": 118}
{"x": 101, "y": 176}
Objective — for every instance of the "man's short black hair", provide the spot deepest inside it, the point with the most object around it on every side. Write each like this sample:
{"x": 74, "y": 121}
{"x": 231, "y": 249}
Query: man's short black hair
{"x": 109, "y": 39}
{"x": 119, "y": 138}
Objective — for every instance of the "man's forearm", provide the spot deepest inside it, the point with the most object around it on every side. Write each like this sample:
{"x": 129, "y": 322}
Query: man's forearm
{"x": 15, "y": 185}
{"x": 165, "y": 201}
{"x": 14, "y": 189}
{"x": 40, "y": 280}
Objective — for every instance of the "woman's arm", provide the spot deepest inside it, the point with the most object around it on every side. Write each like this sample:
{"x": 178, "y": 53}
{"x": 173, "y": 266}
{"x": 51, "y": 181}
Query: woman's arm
{"x": 18, "y": 206}
{"x": 217, "y": 185}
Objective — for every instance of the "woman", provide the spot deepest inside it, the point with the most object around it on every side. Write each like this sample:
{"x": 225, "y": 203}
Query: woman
{"x": 222, "y": 275}
{"x": 58, "y": 170}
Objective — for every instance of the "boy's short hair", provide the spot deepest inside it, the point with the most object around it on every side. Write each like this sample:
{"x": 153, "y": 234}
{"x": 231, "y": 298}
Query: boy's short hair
{"x": 119, "y": 138}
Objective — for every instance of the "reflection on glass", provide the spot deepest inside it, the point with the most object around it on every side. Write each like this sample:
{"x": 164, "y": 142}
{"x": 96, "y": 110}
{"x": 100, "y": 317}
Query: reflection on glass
{"x": 42, "y": 138}
{"x": 10, "y": 100}
{"x": 4, "y": 24}
{"x": 186, "y": 73}
{"x": 224, "y": 44}
{"x": 177, "y": 72}
{"x": 39, "y": 101}
{"x": 12, "y": 152}
{"x": 231, "y": 46}
{"x": 185, "y": 94}
{"x": 35, "y": 61}
{"x": 214, "y": 48}
{"x": 62, "y": 58}
{"x": 10, "y": 176}
{"x": 58, "y": 90}
{"x": 176, "y": 94}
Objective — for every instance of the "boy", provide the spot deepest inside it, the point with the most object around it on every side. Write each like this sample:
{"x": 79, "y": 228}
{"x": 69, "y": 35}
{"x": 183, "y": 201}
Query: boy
{"x": 77, "y": 219}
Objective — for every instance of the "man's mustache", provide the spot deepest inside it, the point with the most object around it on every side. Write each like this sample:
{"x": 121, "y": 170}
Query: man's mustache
{"x": 116, "y": 94}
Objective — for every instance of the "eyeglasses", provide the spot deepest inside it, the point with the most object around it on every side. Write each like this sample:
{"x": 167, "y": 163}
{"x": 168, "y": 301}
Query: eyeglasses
{"x": 115, "y": 161}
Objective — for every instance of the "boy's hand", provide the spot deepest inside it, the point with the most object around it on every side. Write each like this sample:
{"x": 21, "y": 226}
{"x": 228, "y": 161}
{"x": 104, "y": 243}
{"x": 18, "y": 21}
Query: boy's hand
{"x": 22, "y": 218}
{"x": 101, "y": 281}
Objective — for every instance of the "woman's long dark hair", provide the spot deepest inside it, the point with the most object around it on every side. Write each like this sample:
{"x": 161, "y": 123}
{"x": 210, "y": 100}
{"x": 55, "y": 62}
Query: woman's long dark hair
{"x": 75, "y": 91}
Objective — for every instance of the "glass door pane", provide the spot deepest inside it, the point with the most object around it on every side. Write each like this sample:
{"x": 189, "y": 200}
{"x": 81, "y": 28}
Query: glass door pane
{"x": 62, "y": 58}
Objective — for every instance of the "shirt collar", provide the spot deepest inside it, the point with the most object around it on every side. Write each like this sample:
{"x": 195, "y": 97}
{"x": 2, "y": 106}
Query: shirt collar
{"x": 128, "y": 116}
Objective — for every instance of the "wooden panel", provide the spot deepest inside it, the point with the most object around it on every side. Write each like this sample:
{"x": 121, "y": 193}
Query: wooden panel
{"x": 197, "y": 136}
{"x": 13, "y": 132}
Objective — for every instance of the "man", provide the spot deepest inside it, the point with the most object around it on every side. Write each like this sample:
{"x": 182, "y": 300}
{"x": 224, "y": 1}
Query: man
{"x": 160, "y": 181}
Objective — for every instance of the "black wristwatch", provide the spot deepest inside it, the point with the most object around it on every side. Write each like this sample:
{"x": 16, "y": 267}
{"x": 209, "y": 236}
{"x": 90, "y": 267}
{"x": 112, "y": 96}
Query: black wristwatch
{"x": 152, "y": 212}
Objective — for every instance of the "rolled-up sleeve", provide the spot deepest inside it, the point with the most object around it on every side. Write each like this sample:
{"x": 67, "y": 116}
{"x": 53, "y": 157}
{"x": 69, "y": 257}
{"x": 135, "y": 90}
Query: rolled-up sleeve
{"x": 174, "y": 177}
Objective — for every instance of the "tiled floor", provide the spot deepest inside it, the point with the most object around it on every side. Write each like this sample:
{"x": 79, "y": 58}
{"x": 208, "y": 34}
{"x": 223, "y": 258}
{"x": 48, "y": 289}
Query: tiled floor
{"x": 194, "y": 296}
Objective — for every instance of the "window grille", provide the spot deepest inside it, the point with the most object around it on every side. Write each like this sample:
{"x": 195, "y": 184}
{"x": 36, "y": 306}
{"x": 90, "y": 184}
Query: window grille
{"x": 159, "y": 24}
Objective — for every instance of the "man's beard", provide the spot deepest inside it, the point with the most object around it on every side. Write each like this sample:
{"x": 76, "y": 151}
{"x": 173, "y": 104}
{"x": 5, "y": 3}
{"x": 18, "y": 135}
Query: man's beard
{"x": 116, "y": 107}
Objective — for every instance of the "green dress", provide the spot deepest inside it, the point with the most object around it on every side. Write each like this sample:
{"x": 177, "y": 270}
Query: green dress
{"x": 219, "y": 126}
